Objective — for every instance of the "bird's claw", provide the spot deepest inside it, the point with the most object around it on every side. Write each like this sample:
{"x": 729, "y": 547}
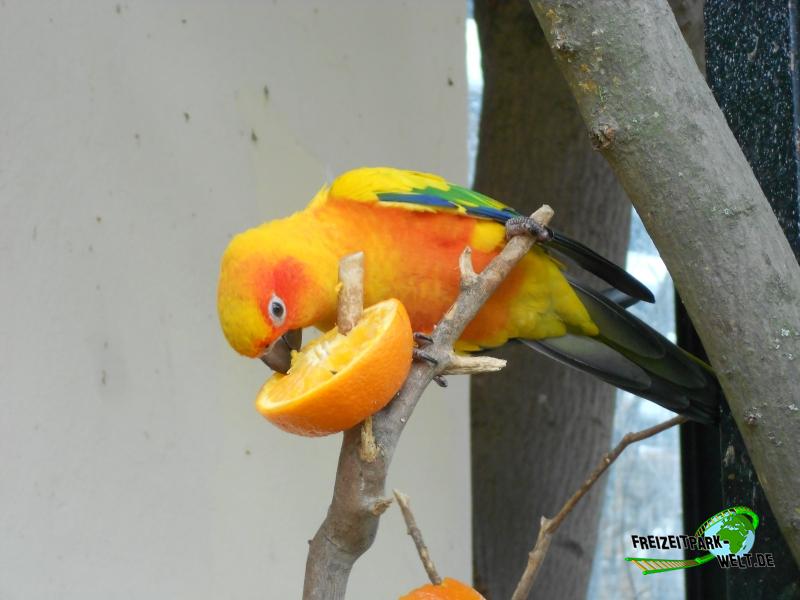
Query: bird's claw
{"x": 422, "y": 339}
{"x": 527, "y": 226}
{"x": 419, "y": 354}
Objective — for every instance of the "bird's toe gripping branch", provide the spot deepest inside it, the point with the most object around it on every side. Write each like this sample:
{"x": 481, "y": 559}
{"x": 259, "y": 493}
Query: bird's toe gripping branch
{"x": 418, "y": 353}
{"x": 422, "y": 339}
{"x": 455, "y": 364}
{"x": 527, "y": 226}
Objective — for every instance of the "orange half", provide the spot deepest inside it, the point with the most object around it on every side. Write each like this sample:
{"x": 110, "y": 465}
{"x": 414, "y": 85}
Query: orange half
{"x": 450, "y": 589}
{"x": 337, "y": 381}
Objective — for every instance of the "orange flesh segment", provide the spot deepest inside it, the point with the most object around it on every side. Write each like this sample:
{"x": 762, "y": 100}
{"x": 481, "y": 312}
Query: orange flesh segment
{"x": 325, "y": 357}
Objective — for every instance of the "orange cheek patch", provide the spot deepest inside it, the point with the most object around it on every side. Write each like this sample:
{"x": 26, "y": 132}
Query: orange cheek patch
{"x": 290, "y": 279}
{"x": 297, "y": 284}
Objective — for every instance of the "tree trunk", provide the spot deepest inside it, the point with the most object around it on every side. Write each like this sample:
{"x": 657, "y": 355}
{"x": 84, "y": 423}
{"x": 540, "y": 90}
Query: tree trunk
{"x": 653, "y": 117}
{"x": 538, "y": 428}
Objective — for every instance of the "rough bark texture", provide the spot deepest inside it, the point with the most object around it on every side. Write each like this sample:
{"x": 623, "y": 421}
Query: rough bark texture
{"x": 752, "y": 51}
{"x": 538, "y": 428}
{"x": 656, "y": 122}
{"x": 689, "y": 16}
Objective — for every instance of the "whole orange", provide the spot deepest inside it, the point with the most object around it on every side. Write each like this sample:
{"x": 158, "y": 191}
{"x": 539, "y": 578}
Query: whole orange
{"x": 449, "y": 589}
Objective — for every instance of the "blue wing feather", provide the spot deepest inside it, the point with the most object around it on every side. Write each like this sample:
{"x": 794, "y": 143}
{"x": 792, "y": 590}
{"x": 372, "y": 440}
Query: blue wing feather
{"x": 456, "y": 198}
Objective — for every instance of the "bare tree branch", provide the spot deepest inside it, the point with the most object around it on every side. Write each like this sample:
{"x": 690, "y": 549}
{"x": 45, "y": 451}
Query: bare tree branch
{"x": 416, "y": 535}
{"x": 351, "y": 292}
{"x": 652, "y": 116}
{"x": 349, "y": 309}
{"x": 467, "y": 365}
{"x": 369, "y": 448}
{"x": 548, "y": 527}
{"x": 359, "y": 491}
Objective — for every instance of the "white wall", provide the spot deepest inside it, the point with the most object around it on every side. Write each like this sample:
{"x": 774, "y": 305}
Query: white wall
{"x": 132, "y": 461}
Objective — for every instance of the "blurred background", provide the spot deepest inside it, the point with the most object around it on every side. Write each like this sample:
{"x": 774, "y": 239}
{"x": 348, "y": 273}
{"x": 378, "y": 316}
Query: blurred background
{"x": 135, "y": 139}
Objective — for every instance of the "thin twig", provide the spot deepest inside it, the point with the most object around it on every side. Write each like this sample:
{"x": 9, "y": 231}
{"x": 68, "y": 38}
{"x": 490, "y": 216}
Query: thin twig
{"x": 548, "y": 527}
{"x": 368, "y": 451}
{"x": 352, "y": 520}
{"x": 416, "y": 535}
{"x": 467, "y": 365}
{"x": 349, "y": 308}
{"x": 544, "y": 214}
{"x": 351, "y": 292}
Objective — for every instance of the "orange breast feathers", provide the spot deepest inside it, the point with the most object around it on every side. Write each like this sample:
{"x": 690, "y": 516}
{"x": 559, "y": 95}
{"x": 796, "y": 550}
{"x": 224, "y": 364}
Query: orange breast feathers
{"x": 413, "y": 256}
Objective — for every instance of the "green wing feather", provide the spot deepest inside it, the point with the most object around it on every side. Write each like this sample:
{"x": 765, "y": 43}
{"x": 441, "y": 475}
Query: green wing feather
{"x": 454, "y": 198}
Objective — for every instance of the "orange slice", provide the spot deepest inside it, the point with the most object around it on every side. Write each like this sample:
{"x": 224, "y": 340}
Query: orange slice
{"x": 450, "y": 589}
{"x": 337, "y": 381}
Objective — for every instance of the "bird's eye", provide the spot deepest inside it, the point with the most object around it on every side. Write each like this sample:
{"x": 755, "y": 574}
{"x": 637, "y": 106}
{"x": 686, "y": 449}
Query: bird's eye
{"x": 277, "y": 310}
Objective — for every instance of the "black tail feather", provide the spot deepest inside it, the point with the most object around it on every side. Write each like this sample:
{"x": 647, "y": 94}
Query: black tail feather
{"x": 631, "y": 355}
{"x": 599, "y": 266}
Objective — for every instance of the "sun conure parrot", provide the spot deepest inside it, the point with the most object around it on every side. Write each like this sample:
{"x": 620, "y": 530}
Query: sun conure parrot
{"x": 282, "y": 276}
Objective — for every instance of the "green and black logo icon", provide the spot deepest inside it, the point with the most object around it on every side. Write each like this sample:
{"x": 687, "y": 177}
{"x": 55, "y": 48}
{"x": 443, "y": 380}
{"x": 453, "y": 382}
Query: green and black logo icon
{"x": 728, "y": 537}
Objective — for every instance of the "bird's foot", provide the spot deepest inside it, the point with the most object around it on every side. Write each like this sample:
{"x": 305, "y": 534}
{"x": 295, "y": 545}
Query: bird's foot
{"x": 422, "y": 339}
{"x": 527, "y": 226}
{"x": 420, "y": 354}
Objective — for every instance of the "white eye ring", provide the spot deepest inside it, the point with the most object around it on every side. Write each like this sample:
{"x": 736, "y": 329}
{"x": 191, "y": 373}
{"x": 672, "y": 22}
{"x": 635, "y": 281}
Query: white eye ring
{"x": 277, "y": 310}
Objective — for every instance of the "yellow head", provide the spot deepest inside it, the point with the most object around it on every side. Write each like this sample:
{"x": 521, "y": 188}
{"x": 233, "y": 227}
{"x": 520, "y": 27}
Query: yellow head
{"x": 270, "y": 283}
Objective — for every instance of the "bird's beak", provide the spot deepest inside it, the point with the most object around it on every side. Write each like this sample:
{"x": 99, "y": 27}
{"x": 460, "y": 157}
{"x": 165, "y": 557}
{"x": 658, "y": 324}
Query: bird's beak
{"x": 278, "y": 355}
